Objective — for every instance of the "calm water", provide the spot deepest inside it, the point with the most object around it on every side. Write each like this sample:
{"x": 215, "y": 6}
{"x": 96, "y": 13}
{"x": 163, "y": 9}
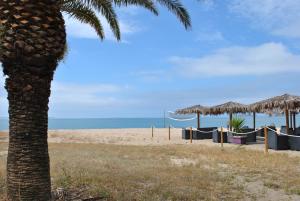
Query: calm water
{"x": 148, "y": 122}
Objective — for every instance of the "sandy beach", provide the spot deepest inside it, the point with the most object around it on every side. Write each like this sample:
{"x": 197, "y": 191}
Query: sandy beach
{"x": 137, "y": 137}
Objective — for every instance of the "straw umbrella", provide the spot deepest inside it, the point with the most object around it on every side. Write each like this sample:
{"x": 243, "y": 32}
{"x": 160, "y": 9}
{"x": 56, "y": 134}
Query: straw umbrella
{"x": 196, "y": 109}
{"x": 229, "y": 108}
{"x": 284, "y": 103}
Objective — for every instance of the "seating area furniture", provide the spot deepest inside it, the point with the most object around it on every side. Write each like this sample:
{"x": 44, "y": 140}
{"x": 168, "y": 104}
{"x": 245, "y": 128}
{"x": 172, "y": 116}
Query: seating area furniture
{"x": 229, "y": 137}
{"x": 277, "y": 142}
{"x": 251, "y": 137}
{"x": 294, "y": 142}
{"x": 206, "y": 134}
{"x": 283, "y": 130}
{"x": 260, "y": 133}
{"x": 239, "y": 139}
{"x": 217, "y": 136}
{"x": 297, "y": 131}
{"x": 186, "y": 134}
{"x": 197, "y": 134}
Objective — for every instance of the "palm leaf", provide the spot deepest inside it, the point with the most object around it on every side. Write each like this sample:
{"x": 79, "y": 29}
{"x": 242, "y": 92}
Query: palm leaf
{"x": 86, "y": 11}
{"x": 84, "y": 14}
{"x": 177, "y": 8}
{"x": 147, "y": 4}
{"x": 237, "y": 124}
{"x": 105, "y": 8}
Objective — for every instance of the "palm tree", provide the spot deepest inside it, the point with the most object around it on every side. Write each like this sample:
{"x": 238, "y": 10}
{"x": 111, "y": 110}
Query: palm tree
{"x": 33, "y": 41}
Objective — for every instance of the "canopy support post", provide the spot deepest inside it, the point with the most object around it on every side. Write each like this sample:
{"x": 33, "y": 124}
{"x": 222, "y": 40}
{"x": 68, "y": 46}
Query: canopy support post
{"x": 295, "y": 123}
{"x": 198, "y": 120}
{"x": 291, "y": 119}
{"x": 287, "y": 120}
{"x": 254, "y": 120}
{"x": 294, "y": 120}
{"x": 230, "y": 119}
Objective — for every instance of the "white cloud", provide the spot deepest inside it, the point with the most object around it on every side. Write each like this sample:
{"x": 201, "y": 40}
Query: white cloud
{"x": 77, "y": 100}
{"x": 99, "y": 94}
{"x": 291, "y": 30}
{"x": 79, "y": 30}
{"x": 82, "y": 100}
{"x": 269, "y": 58}
{"x": 277, "y": 17}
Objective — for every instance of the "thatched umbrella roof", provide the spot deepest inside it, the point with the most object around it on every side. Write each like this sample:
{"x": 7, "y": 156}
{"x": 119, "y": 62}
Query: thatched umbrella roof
{"x": 193, "y": 110}
{"x": 277, "y": 104}
{"x": 229, "y": 107}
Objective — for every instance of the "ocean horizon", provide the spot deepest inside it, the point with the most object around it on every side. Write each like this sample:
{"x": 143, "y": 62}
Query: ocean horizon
{"x": 114, "y": 123}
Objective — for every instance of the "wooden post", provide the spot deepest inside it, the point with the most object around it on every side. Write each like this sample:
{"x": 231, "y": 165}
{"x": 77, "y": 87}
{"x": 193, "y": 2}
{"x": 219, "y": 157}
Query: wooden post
{"x": 287, "y": 120}
{"x": 294, "y": 119}
{"x": 266, "y": 140}
{"x": 169, "y": 132}
{"x": 191, "y": 135}
{"x": 254, "y": 120}
{"x": 230, "y": 119}
{"x": 198, "y": 120}
{"x": 222, "y": 137}
{"x": 152, "y": 132}
{"x": 291, "y": 119}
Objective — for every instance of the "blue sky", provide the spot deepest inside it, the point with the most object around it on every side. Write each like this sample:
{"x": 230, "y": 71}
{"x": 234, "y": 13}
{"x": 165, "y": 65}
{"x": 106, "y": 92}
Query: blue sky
{"x": 240, "y": 50}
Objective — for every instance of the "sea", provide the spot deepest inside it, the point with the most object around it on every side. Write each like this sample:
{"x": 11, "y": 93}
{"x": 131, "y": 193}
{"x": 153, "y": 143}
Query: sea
{"x": 109, "y": 123}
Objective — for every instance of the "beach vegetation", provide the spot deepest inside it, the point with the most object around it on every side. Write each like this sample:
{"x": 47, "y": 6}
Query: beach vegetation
{"x": 237, "y": 123}
{"x": 171, "y": 172}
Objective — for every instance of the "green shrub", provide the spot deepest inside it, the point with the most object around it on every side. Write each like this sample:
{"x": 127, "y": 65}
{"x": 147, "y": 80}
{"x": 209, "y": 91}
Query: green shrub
{"x": 237, "y": 124}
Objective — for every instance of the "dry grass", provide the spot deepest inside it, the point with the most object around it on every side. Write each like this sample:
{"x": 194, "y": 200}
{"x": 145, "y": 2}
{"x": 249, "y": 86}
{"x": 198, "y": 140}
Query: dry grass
{"x": 171, "y": 172}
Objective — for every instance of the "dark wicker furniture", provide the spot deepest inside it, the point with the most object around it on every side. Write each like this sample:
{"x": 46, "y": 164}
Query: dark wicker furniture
{"x": 217, "y": 137}
{"x": 277, "y": 142}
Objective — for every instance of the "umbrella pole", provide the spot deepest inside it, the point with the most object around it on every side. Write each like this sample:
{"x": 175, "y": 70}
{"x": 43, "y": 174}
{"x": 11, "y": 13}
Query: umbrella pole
{"x": 254, "y": 120}
{"x": 291, "y": 119}
{"x": 198, "y": 122}
{"x": 230, "y": 119}
{"x": 294, "y": 119}
{"x": 287, "y": 120}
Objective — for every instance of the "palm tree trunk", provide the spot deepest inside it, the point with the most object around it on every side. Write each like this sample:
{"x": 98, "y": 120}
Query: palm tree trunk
{"x": 28, "y": 171}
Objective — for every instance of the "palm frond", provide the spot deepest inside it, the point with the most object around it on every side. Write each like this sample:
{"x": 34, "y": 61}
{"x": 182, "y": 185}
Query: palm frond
{"x": 84, "y": 14}
{"x": 147, "y": 4}
{"x": 105, "y": 8}
{"x": 178, "y": 9}
{"x": 86, "y": 11}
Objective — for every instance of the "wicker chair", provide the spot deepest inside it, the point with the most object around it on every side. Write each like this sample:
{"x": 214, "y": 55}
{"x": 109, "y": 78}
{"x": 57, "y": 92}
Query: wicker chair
{"x": 251, "y": 137}
{"x": 217, "y": 136}
{"x": 198, "y": 135}
{"x": 277, "y": 142}
{"x": 185, "y": 134}
{"x": 297, "y": 131}
{"x": 294, "y": 142}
